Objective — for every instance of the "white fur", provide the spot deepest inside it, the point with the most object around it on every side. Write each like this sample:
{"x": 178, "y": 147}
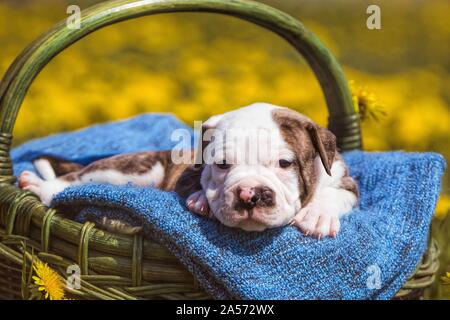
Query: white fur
{"x": 320, "y": 218}
{"x": 45, "y": 169}
{"x": 153, "y": 177}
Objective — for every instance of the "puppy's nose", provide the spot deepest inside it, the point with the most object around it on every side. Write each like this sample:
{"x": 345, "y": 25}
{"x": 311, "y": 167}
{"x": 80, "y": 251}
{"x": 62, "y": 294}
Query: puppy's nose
{"x": 252, "y": 196}
{"x": 247, "y": 194}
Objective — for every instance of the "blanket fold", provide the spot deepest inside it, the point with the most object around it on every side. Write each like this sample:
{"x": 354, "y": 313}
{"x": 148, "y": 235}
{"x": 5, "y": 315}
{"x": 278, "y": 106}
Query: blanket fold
{"x": 379, "y": 246}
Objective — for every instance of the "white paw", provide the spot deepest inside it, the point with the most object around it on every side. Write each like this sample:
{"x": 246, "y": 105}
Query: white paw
{"x": 30, "y": 181}
{"x": 45, "y": 190}
{"x": 317, "y": 221}
{"x": 198, "y": 203}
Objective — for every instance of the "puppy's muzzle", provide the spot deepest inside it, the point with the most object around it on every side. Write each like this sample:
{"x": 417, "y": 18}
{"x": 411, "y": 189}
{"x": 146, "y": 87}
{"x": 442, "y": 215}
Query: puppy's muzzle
{"x": 251, "y": 197}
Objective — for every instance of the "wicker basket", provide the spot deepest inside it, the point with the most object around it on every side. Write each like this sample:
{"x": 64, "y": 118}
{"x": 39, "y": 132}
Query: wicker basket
{"x": 122, "y": 267}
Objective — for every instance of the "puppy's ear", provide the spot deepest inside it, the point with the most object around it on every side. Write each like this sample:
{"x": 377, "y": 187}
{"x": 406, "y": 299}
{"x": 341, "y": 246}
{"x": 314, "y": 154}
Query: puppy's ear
{"x": 211, "y": 123}
{"x": 324, "y": 142}
{"x": 307, "y": 140}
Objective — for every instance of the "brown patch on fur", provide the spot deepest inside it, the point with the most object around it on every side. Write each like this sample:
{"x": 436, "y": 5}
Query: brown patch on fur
{"x": 183, "y": 178}
{"x": 349, "y": 184}
{"x": 70, "y": 177}
{"x": 307, "y": 140}
{"x": 130, "y": 163}
{"x": 61, "y": 166}
{"x": 189, "y": 181}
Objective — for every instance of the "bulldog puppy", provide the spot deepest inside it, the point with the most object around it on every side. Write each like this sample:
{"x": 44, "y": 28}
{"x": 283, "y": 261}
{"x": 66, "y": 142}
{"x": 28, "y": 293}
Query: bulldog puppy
{"x": 258, "y": 167}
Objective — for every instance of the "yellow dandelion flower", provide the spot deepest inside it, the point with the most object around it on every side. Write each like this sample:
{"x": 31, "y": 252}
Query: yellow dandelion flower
{"x": 48, "y": 281}
{"x": 446, "y": 279}
{"x": 366, "y": 103}
{"x": 443, "y": 206}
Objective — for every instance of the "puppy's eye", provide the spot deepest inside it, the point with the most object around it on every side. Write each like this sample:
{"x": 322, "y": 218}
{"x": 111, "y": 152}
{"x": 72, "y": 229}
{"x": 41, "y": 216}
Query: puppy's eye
{"x": 223, "y": 165}
{"x": 284, "y": 163}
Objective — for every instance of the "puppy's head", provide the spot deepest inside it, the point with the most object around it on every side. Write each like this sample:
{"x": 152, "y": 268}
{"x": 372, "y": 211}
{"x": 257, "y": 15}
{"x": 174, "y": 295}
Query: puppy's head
{"x": 258, "y": 164}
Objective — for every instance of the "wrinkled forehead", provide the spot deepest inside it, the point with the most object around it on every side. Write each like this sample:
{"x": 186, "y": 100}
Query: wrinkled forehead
{"x": 256, "y": 116}
{"x": 248, "y": 135}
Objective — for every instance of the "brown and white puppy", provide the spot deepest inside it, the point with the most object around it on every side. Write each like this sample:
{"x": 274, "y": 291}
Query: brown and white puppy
{"x": 261, "y": 166}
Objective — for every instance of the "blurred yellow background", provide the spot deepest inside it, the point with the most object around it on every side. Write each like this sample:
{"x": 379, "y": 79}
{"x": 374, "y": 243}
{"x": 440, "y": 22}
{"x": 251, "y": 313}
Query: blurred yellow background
{"x": 196, "y": 65}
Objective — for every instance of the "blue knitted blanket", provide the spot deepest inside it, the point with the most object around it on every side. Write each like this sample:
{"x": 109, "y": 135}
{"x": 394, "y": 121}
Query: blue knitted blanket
{"x": 377, "y": 249}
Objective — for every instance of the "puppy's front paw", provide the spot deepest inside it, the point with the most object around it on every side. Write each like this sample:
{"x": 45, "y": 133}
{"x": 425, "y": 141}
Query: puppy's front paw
{"x": 198, "y": 203}
{"x": 317, "y": 221}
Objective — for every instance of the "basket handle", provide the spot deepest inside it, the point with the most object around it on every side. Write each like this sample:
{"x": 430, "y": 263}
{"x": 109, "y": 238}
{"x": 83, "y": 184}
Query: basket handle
{"x": 343, "y": 120}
